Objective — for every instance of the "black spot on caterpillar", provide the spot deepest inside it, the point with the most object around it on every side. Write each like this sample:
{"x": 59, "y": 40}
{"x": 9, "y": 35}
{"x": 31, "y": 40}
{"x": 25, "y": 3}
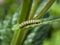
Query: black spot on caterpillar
{"x": 30, "y": 22}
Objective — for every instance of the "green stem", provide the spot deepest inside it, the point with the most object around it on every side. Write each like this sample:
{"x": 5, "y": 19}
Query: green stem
{"x": 26, "y": 5}
{"x": 19, "y": 35}
{"x": 48, "y": 5}
{"x": 34, "y": 8}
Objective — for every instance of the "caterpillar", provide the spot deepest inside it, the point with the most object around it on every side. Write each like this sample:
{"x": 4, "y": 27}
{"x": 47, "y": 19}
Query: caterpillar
{"x": 29, "y": 22}
{"x": 37, "y": 22}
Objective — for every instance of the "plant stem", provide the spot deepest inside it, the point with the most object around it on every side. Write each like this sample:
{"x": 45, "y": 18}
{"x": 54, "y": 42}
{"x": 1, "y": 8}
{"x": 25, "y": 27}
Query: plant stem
{"x": 34, "y": 8}
{"x": 48, "y": 5}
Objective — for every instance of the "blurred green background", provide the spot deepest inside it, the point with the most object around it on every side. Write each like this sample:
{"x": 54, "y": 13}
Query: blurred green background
{"x": 43, "y": 35}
